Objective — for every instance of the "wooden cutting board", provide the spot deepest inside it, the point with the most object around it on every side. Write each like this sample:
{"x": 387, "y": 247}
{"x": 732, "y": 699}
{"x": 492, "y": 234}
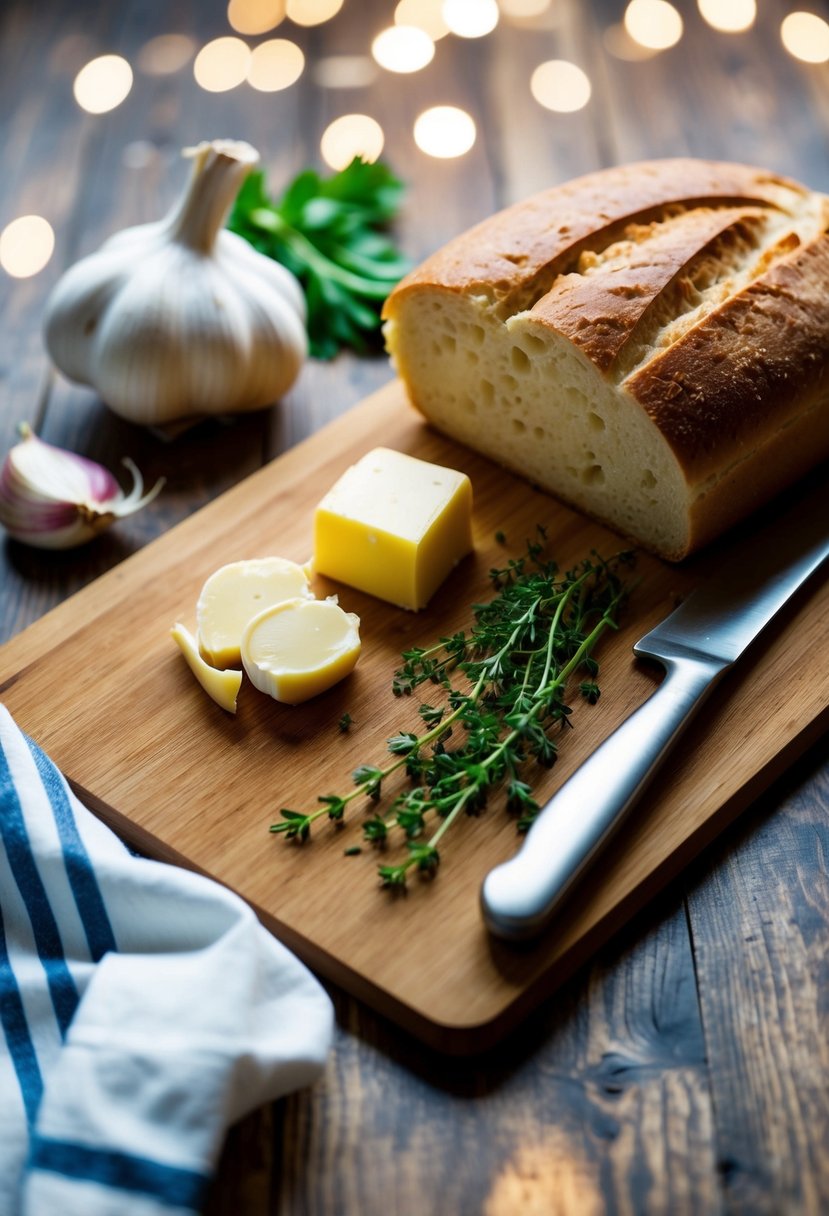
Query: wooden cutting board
{"x": 100, "y": 685}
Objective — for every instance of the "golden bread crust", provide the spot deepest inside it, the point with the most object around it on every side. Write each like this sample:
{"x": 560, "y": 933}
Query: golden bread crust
{"x": 746, "y": 370}
{"x": 649, "y": 342}
{"x": 600, "y": 311}
{"x": 504, "y": 253}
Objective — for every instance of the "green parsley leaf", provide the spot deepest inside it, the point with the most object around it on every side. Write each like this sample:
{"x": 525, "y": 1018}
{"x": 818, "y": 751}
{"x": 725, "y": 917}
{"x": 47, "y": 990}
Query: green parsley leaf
{"x": 329, "y": 231}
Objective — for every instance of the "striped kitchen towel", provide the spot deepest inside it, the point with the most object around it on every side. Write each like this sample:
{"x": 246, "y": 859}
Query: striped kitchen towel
{"x": 144, "y": 1009}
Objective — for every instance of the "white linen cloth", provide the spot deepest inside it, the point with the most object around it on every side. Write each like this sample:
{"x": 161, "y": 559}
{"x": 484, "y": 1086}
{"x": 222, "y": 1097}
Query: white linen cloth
{"x": 144, "y": 1009}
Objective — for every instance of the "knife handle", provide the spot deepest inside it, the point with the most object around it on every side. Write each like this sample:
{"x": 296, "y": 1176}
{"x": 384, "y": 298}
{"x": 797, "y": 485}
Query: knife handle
{"x": 519, "y": 897}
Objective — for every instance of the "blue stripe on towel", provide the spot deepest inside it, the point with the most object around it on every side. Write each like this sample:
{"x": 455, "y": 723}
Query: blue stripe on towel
{"x": 16, "y": 1029}
{"x": 62, "y": 988}
{"x": 170, "y": 1184}
{"x": 82, "y": 880}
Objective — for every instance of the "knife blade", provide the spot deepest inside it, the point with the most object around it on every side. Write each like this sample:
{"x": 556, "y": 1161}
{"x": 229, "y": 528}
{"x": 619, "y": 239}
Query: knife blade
{"x": 698, "y": 643}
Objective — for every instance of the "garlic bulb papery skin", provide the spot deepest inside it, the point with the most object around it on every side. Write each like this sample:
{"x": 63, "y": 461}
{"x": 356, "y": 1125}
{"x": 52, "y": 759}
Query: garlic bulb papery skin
{"x": 181, "y": 318}
{"x": 54, "y": 499}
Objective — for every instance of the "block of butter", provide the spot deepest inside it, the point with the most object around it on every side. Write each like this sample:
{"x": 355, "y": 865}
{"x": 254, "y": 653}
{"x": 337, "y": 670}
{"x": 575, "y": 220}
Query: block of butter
{"x": 394, "y": 526}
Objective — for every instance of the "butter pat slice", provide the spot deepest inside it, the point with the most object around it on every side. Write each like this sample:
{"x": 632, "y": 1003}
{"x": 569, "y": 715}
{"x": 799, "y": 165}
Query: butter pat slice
{"x": 394, "y": 526}
{"x": 235, "y": 594}
{"x": 222, "y": 686}
{"x": 297, "y": 649}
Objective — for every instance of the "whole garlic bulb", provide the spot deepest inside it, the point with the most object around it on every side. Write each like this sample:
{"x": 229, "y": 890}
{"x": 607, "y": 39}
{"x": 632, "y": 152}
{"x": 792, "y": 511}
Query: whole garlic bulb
{"x": 181, "y": 318}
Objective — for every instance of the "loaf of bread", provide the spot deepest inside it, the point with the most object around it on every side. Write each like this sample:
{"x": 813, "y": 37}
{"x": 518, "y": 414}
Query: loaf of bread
{"x": 649, "y": 343}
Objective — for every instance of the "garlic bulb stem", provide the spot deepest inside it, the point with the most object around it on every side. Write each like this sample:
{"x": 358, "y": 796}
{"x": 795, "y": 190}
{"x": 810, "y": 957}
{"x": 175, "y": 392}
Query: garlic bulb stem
{"x": 219, "y": 168}
{"x": 54, "y": 499}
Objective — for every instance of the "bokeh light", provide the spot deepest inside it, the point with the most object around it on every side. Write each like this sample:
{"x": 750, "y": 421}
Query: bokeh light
{"x": 653, "y": 23}
{"x": 349, "y": 136}
{"x": 618, "y": 43}
{"x": 275, "y": 64}
{"x": 444, "y": 132}
{"x": 403, "y": 48}
{"x": 312, "y": 12}
{"x": 729, "y": 16}
{"x": 166, "y": 54}
{"x": 102, "y": 84}
{"x": 345, "y": 72}
{"x": 426, "y": 15}
{"x": 70, "y": 53}
{"x": 806, "y": 36}
{"x": 524, "y": 9}
{"x": 138, "y": 154}
{"x": 470, "y": 18}
{"x": 255, "y": 16}
{"x": 26, "y": 245}
{"x": 560, "y": 85}
{"x": 222, "y": 64}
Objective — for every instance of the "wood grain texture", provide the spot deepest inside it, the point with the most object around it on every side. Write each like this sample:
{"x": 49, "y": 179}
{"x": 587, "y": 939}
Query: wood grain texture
{"x": 764, "y": 1009}
{"x": 725, "y": 96}
{"x": 185, "y": 782}
{"x": 610, "y": 1072}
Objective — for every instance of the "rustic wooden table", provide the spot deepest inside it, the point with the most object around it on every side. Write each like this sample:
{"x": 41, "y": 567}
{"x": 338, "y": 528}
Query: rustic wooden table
{"x": 687, "y": 1068}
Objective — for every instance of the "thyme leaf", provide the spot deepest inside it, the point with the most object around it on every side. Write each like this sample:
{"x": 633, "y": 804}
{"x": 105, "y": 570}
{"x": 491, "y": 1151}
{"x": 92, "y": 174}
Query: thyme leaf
{"x": 503, "y": 683}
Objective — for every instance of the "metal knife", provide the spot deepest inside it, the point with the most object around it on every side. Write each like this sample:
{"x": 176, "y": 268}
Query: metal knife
{"x": 697, "y": 644}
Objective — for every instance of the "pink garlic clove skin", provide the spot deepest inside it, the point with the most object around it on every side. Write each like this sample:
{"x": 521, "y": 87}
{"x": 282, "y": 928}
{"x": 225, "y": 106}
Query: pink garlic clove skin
{"x": 54, "y": 499}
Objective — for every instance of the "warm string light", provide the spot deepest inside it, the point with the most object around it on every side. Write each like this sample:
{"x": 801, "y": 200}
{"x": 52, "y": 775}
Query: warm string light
{"x": 26, "y": 245}
{"x": 444, "y": 132}
{"x": 222, "y": 64}
{"x": 655, "y": 24}
{"x": 312, "y": 12}
{"x": 349, "y": 136}
{"x": 524, "y": 10}
{"x": 728, "y": 16}
{"x": 806, "y": 36}
{"x": 255, "y": 16}
{"x": 102, "y": 84}
{"x": 470, "y": 18}
{"x": 403, "y": 48}
{"x": 426, "y": 15}
{"x": 561, "y": 86}
{"x": 275, "y": 65}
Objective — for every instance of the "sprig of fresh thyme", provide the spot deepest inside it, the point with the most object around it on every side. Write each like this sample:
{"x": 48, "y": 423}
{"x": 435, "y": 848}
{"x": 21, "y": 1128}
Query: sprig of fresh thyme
{"x": 524, "y": 648}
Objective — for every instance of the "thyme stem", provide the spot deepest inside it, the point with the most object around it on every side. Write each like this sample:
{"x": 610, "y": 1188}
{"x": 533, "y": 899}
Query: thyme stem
{"x": 525, "y": 646}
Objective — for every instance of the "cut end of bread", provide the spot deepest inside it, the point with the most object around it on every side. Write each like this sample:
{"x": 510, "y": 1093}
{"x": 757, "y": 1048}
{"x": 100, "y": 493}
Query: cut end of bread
{"x": 530, "y": 401}
{"x": 654, "y": 374}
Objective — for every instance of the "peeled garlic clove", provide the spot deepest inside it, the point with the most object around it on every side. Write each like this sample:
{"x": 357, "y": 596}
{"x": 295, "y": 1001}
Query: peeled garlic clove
{"x": 236, "y": 593}
{"x": 222, "y": 686}
{"x": 297, "y": 649}
{"x": 54, "y": 499}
